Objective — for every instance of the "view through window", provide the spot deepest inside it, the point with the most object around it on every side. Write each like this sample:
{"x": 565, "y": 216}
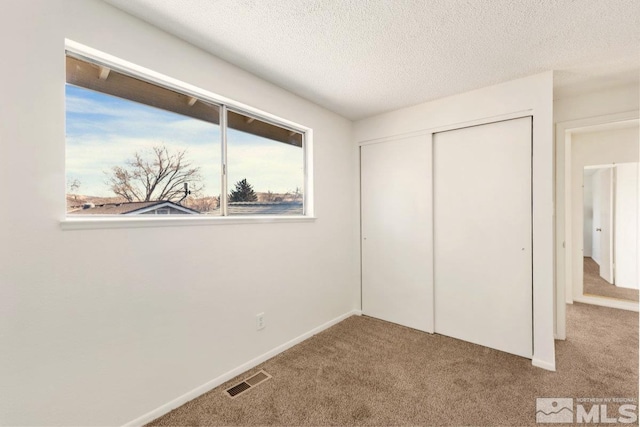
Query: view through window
{"x": 265, "y": 175}
{"x": 137, "y": 148}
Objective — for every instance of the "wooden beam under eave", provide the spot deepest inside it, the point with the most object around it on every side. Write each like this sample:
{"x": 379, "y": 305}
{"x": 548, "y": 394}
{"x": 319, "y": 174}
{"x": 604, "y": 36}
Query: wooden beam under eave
{"x": 83, "y": 74}
{"x": 257, "y": 127}
{"x": 104, "y": 72}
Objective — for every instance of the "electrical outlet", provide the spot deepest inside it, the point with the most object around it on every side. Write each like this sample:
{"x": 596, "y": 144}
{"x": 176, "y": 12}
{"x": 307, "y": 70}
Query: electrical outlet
{"x": 260, "y": 321}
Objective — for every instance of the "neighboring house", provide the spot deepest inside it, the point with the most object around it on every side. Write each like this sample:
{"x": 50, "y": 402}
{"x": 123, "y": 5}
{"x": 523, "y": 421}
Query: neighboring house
{"x": 265, "y": 208}
{"x": 164, "y": 207}
{"x": 158, "y": 207}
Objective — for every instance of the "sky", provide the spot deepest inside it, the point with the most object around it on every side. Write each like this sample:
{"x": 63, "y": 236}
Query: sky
{"x": 104, "y": 131}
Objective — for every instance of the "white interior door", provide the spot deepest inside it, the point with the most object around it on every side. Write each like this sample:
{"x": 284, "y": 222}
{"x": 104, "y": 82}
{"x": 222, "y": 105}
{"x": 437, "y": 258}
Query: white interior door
{"x": 605, "y": 228}
{"x": 482, "y": 235}
{"x": 596, "y": 230}
{"x": 626, "y": 225}
{"x": 396, "y": 232}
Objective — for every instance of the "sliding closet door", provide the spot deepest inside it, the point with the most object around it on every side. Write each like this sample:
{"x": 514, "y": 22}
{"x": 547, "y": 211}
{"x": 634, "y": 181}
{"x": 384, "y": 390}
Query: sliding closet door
{"x": 396, "y": 232}
{"x": 482, "y": 235}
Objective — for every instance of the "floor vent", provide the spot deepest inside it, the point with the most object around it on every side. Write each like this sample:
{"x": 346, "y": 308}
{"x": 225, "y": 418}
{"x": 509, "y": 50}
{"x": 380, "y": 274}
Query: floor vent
{"x": 248, "y": 383}
{"x": 257, "y": 378}
{"x": 237, "y": 389}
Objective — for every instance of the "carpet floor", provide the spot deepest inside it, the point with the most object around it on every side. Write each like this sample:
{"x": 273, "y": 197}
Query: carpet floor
{"x": 365, "y": 371}
{"x": 596, "y": 285}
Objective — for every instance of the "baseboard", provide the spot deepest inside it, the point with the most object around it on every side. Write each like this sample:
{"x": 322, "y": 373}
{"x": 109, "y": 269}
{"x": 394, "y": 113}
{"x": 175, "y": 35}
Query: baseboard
{"x": 608, "y": 302}
{"x": 544, "y": 365}
{"x": 198, "y": 391}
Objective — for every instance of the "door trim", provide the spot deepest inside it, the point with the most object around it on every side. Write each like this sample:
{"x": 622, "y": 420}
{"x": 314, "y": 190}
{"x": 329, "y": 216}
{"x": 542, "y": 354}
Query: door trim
{"x": 452, "y": 126}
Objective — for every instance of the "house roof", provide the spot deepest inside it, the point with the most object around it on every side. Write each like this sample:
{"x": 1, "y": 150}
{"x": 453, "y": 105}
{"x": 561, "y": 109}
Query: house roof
{"x": 236, "y": 208}
{"x": 127, "y": 208}
{"x": 266, "y": 208}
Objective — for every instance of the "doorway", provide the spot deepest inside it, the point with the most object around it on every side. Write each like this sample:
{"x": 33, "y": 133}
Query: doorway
{"x": 610, "y": 238}
{"x": 570, "y": 136}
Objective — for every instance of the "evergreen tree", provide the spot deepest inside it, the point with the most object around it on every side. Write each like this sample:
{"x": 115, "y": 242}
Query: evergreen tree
{"x": 243, "y": 192}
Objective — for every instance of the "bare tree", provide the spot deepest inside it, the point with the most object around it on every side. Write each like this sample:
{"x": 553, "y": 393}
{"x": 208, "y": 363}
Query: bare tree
{"x": 297, "y": 194}
{"x": 157, "y": 175}
{"x": 293, "y": 196}
{"x": 202, "y": 204}
{"x": 269, "y": 196}
{"x": 74, "y": 185}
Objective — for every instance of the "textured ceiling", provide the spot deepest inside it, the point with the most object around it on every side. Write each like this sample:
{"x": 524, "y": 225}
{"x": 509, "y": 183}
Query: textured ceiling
{"x": 363, "y": 57}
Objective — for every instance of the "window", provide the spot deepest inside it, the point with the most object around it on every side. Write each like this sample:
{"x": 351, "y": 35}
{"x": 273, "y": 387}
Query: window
{"x": 268, "y": 158}
{"x": 142, "y": 145}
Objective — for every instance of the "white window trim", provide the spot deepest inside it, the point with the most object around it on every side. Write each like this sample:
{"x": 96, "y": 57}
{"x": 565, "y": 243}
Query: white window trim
{"x": 97, "y": 222}
{"x": 125, "y": 221}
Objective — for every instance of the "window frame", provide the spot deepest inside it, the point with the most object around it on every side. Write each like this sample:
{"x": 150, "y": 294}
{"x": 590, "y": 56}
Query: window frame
{"x": 88, "y": 54}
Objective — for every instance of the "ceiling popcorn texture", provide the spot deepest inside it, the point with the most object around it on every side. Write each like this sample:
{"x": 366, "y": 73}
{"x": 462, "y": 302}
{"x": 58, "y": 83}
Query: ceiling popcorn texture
{"x": 364, "y": 57}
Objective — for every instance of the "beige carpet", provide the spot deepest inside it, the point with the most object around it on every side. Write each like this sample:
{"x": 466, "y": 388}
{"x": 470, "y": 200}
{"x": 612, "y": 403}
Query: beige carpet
{"x": 596, "y": 285}
{"x": 364, "y": 371}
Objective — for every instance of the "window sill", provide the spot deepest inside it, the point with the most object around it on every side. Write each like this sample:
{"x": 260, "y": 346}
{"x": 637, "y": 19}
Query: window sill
{"x": 119, "y": 222}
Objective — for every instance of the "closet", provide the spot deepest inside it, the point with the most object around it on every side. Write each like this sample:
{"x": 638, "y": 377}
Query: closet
{"x": 447, "y": 234}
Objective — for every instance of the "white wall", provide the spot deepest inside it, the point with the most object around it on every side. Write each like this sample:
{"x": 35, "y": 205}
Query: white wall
{"x": 588, "y": 214}
{"x": 626, "y": 225}
{"x": 615, "y": 100}
{"x": 98, "y": 327}
{"x": 527, "y": 96}
{"x": 588, "y": 149}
